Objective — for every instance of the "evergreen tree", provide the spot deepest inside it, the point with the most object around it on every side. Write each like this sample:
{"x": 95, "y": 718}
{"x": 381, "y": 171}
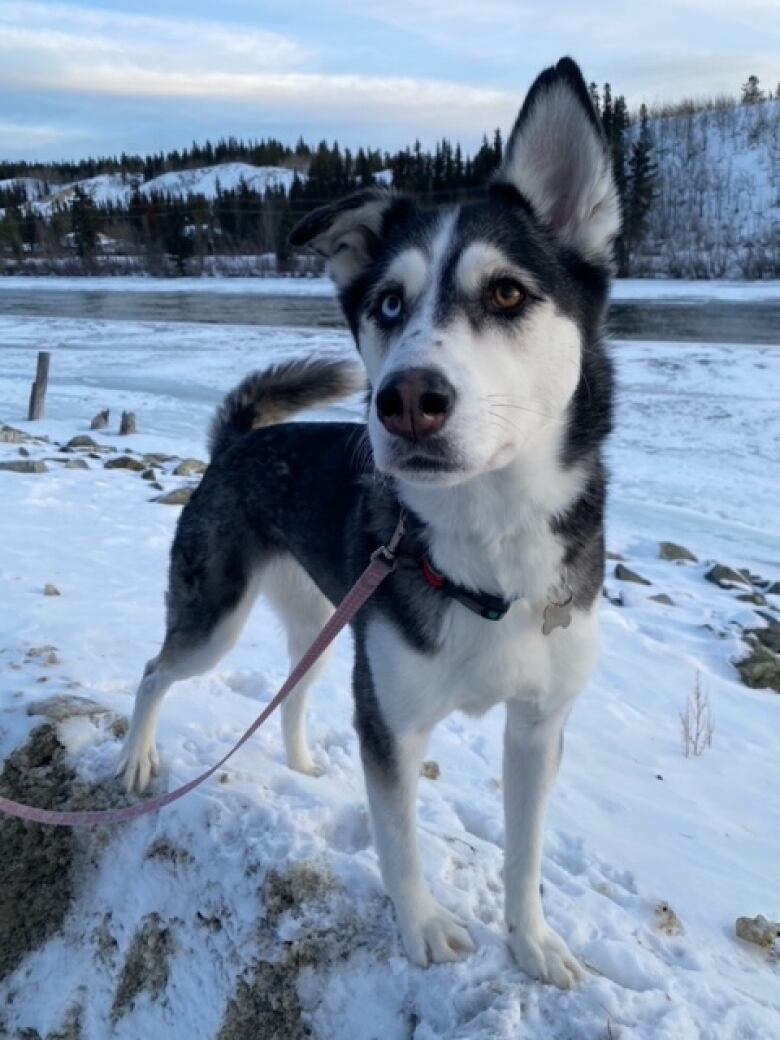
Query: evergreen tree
{"x": 593, "y": 90}
{"x": 84, "y": 225}
{"x": 751, "y": 92}
{"x": 642, "y": 172}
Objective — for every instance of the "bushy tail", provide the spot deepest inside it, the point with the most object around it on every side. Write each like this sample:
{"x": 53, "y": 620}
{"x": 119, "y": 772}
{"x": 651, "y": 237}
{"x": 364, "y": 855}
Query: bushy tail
{"x": 273, "y": 395}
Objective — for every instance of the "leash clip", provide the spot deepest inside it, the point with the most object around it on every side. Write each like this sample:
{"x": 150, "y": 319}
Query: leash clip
{"x": 387, "y": 552}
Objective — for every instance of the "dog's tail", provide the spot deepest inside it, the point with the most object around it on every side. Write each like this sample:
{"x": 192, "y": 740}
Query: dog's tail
{"x": 273, "y": 395}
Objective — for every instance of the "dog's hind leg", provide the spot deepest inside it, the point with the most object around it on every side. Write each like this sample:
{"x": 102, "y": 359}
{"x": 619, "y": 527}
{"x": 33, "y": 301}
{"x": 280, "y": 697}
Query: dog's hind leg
{"x": 202, "y": 627}
{"x": 304, "y": 610}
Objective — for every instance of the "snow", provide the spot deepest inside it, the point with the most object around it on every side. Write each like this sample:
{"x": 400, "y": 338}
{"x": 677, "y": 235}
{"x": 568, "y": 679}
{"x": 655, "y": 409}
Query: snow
{"x": 716, "y": 211}
{"x": 270, "y": 285}
{"x": 632, "y": 823}
{"x": 226, "y": 176}
{"x": 623, "y": 289}
{"x": 684, "y": 290}
{"x": 117, "y": 189}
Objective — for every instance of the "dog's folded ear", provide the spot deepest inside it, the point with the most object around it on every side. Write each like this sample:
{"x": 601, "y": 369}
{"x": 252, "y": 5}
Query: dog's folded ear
{"x": 557, "y": 158}
{"x": 348, "y": 232}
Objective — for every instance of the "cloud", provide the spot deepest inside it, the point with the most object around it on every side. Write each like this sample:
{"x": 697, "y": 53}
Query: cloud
{"x": 46, "y": 39}
{"x": 61, "y": 50}
{"x": 20, "y": 137}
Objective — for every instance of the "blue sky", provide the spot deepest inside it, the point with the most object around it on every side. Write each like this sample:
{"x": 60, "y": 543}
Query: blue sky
{"x": 103, "y": 76}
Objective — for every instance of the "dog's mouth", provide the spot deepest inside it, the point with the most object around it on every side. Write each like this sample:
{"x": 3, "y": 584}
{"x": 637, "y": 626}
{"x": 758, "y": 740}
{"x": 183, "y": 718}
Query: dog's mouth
{"x": 432, "y": 462}
{"x": 435, "y": 462}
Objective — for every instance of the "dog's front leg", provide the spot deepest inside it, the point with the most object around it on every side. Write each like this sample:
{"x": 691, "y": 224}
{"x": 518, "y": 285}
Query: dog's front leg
{"x": 429, "y": 932}
{"x": 532, "y": 752}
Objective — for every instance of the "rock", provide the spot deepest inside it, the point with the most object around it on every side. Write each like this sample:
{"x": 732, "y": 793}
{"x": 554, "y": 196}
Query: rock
{"x": 768, "y": 637}
{"x": 760, "y": 670}
{"x": 82, "y": 441}
{"x": 773, "y": 589}
{"x": 614, "y": 555}
{"x": 673, "y": 552}
{"x": 758, "y": 930}
{"x": 77, "y": 464}
{"x": 430, "y": 770}
{"x": 125, "y": 462}
{"x": 155, "y": 458}
{"x": 616, "y": 601}
{"x": 24, "y": 466}
{"x": 625, "y": 574}
{"x": 752, "y": 597}
{"x": 149, "y": 474}
{"x": 156, "y": 485}
{"x": 663, "y": 598}
{"x": 667, "y": 920}
{"x": 100, "y": 422}
{"x": 753, "y": 579}
{"x": 67, "y": 706}
{"x": 127, "y": 424}
{"x": 24, "y": 453}
{"x": 51, "y": 590}
{"x": 726, "y": 577}
{"x": 9, "y": 435}
{"x": 179, "y": 497}
{"x": 190, "y": 468}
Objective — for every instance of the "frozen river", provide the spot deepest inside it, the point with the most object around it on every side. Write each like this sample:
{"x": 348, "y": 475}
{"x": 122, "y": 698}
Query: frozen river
{"x": 665, "y": 311}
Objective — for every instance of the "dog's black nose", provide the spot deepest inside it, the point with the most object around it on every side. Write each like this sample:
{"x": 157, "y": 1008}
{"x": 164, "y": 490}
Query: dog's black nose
{"x": 415, "y": 403}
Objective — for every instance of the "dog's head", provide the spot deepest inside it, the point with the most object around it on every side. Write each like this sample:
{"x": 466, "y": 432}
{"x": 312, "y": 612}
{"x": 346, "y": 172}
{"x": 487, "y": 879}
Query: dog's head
{"x": 478, "y": 323}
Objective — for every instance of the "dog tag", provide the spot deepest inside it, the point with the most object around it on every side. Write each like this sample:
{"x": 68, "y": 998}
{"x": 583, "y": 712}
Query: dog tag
{"x": 556, "y": 615}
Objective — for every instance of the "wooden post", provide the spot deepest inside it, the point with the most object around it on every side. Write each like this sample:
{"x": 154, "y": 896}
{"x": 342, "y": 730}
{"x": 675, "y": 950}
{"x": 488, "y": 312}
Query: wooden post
{"x": 38, "y": 391}
{"x": 127, "y": 423}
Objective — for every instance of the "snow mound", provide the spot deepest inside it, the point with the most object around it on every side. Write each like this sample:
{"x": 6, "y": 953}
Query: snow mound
{"x": 254, "y": 907}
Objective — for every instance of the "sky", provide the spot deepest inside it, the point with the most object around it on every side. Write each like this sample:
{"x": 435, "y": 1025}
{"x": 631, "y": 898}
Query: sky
{"x": 105, "y": 76}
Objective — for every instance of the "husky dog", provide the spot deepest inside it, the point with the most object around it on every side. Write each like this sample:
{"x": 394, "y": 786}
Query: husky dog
{"x": 479, "y": 326}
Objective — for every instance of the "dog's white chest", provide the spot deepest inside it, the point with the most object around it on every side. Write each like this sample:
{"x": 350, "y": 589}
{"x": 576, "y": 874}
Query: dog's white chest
{"x": 479, "y": 663}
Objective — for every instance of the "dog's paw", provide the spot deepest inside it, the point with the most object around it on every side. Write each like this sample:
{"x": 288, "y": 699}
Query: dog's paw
{"x": 545, "y": 956}
{"x": 435, "y": 936}
{"x": 305, "y": 764}
{"x": 137, "y": 764}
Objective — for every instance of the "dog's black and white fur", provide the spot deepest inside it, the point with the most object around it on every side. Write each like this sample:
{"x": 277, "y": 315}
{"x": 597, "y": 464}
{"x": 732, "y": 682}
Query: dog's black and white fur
{"x": 479, "y": 326}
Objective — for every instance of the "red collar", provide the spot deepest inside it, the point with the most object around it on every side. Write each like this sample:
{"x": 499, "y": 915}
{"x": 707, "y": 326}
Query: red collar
{"x": 492, "y": 608}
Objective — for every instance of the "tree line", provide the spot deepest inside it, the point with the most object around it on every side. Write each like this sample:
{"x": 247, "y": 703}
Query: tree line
{"x": 166, "y": 233}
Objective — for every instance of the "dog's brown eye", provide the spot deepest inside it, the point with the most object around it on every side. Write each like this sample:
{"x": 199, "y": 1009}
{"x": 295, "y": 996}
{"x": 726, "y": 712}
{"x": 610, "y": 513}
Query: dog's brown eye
{"x": 506, "y": 295}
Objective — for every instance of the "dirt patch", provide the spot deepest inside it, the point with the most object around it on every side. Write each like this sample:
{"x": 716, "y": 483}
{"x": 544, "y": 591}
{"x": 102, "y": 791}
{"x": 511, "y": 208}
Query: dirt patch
{"x": 164, "y": 851}
{"x": 38, "y": 863}
{"x": 266, "y": 1002}
{"x": 146, "y": 966}
{"x": 36, "y": 887}
{"x": 293, "y": 891}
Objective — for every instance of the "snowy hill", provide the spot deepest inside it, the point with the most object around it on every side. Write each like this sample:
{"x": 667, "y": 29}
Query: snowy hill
{"x": 717, "y": 209}
{"x": 117, "y": 189}
{"x": 253, "y": 909}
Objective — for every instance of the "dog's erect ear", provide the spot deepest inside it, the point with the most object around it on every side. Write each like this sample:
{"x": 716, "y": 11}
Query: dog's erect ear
{"x": 347, "y": 233}
{"x": 557, "y": 158}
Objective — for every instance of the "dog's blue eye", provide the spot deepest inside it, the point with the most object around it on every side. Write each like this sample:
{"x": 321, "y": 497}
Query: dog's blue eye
{"x": 391, "y": 306}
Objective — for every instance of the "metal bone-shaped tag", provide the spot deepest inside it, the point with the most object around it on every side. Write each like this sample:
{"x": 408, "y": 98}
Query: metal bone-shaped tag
{"x": 556, "y": 615}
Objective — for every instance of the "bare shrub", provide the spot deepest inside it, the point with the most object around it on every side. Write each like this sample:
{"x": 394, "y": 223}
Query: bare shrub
{"x": 696, "y": 722}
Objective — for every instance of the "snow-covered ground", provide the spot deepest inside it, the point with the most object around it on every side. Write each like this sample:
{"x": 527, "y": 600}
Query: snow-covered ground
{"x": 628, "y": 289}
{"x": 633, "y": 823}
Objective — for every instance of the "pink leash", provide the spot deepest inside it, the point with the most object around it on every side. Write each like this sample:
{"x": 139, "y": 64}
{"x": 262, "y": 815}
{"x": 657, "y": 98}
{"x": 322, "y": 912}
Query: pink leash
{"x": 381, "y": 566}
